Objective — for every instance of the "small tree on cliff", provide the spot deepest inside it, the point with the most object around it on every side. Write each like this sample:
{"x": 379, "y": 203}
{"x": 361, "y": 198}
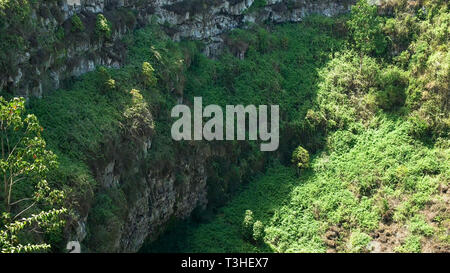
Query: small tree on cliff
{"x": 148, "y": 74}
{"x": 102, "y": 27}
{"x": 24, "y": 163}
{"x": 366, "y": 30}
{"x": 300, "y": 157}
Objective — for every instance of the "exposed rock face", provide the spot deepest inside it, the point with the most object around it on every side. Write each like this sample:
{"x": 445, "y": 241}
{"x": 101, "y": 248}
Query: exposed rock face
{"x": 41, "y": 67}
{"x": 160, "y": 193}
{"x": 163, "y": 199}
{"x": 188, "y": 20}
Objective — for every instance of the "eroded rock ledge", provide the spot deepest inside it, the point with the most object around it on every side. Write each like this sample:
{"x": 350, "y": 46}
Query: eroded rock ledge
{"x": 43, "y": 64}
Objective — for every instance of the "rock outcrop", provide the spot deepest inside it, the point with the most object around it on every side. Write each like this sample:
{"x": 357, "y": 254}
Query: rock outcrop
{"x": 56, "y": 50}
{"x": 159, "y": 193}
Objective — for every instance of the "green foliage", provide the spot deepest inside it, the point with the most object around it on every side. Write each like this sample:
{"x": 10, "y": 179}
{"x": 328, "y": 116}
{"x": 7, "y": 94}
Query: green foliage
{"x": 138, "y": 119}
{"x": 9, "y": 233}
{"x": 344, "y": 188}
{"x": 247, "y": 225}
{"x": 394, "y": 82}
{"x": 77, "y": 24}
{"x": 24, "y": 164}
{"x": 371, "y": 168}
{"x": 258, "y": 231}
{"x": 429, "y": 70}
{"x": 148, "y": 74}
{"x": 102, "y": 27}
{"x": 419, "y": 226}
{"x": 60, "y": 34}
{"x": 411, "y": 244}
{"x": 300, "y": 157}
{"x": 365, "y": 26}
{"x": 14, "y": 15}
{"x": 105, "y": 223}
{"x": 358, "y": 241}
{"x": 256, "y": 5}
{"x": 369, "y": 109}
{"x": 97, "y": 110}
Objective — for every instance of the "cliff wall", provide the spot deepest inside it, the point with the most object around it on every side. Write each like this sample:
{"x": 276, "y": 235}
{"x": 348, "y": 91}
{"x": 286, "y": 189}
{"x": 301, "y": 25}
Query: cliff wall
{"x": 55, "y": 40}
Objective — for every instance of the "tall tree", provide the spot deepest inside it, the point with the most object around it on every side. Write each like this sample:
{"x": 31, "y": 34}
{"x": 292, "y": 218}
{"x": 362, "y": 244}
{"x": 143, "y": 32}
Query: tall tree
{"x": 24, "y": 164}
{"x": 366, "y": 29}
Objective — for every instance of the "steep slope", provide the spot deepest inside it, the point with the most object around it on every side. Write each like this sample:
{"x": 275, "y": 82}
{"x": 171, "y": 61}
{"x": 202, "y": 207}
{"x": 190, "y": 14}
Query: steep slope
{"x": 374, "y": 189}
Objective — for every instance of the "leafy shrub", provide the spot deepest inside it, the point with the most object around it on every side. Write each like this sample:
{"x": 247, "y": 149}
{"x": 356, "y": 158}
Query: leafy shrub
{"x": 411, "y": 244}
{"x": 77, "y": 24}
{"x": 138, "y": 119}
{"x": 105, "y": 220}
{"x": 25, "y": 162}
{"x": 103, "y": 27}
{"x": 148, "y": 74}
{"x": 106, "y": 82}
{"x": 393, "y": 82}
{"x": 419, "y": 226}
{"x": 59, "y": 34}
{"x": 247, "y": 225}
{"x": 44, "y": 11}
{"x": 300, "y": 157}
{"x": 365, "y": 27}
{"x": 370, "y": 158}
{"x": 358, "y": 241}
{"x": 418, "y": 128}
{"x": 258, "y": 231}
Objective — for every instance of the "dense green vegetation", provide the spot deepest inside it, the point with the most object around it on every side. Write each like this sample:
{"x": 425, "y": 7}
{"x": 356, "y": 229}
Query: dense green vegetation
{"x": 383, "y": 164}
{"x": 31, "y": 209}
{"x": 373, "y": 175}
{"x": 364, "y": 122}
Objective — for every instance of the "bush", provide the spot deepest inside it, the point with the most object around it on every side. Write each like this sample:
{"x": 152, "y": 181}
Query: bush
{"x": 365, "y": 27}
{"x": 419, "y": 226}
{"x": 258, "y": 231}
{"x": 106, "y": 83}
{"x": 393, "y": 82}
{"x": 138, "y": 118}
{"x": 300, "y": 157}
{"x": 411, "y": 244}
{"x": 401, "y": 31}
{"x": 247, "y": 225}
{"x": 257, "y": 4}
{"x": 103, "y": 27}
{"x": 359, "y": 241}
{"x": 148, "y": 74}
{"x": 77, "y": 24}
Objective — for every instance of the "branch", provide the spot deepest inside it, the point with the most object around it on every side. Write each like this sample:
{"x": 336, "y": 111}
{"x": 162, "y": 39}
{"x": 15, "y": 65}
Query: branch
{"x": 21, "y": 200}
{"x": 29, "y": 207}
